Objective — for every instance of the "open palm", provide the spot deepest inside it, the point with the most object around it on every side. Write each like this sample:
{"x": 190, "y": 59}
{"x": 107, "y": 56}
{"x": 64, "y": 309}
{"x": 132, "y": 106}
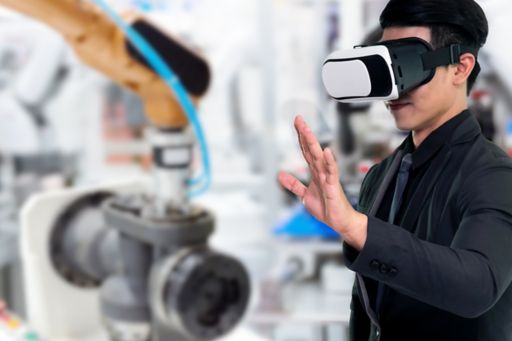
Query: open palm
{"x": 323, "y": 197}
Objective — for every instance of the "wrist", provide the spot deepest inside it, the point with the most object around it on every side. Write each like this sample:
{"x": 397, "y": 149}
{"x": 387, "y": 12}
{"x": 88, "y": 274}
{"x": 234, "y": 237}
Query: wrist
{"x": 355, "y": 233}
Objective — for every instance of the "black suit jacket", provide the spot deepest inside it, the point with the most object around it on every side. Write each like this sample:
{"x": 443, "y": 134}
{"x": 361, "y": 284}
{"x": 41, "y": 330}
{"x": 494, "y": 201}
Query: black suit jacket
{"x": 449, "y": 264}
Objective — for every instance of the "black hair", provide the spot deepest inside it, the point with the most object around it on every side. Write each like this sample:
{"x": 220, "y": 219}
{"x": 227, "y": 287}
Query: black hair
{"x": 451, "y": 22}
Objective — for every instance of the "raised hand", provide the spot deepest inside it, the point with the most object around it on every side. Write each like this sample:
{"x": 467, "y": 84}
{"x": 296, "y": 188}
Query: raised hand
{"x": 324, "y": 197}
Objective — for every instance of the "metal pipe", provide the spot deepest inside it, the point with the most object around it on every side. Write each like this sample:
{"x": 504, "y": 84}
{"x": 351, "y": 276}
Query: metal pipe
{"x": 172, "y": 157}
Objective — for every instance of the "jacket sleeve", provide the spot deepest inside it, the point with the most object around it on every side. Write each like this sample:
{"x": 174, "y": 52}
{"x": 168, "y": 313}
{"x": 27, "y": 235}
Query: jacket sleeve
{"x": 466, "y": 278}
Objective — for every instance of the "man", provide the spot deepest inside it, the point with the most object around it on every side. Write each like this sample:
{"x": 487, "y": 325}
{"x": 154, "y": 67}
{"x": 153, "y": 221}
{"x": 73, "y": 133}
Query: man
{"x": 431, "y": 241}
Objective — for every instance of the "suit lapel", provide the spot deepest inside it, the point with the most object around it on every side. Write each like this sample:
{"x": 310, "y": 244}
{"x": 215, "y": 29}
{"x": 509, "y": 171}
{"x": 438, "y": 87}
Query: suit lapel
{"x": 390, "y": 173}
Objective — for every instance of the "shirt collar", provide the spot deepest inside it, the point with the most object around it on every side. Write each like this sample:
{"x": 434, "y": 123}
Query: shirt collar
{"x": 429, "y": 147}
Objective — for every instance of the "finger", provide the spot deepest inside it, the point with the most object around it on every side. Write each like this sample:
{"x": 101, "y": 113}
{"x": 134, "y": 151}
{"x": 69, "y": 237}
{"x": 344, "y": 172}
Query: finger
{"x": 308, "y": 137}
{"x": 317, "y": 166}
{"x": 302, "y": 143}
{"x": 316, "y": 159}
{"x": 332, "y": 176}
{"x": 331, "y": 187}
{"x": 304, "y": 149}
{"x": 291, "y": 183}
{"x": 318, "y": 169}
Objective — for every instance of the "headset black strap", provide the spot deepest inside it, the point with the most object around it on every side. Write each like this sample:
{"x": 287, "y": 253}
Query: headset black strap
{"x": 446, "y": 56}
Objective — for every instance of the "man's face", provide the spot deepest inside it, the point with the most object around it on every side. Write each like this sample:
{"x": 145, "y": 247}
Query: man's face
{"x": 421, "y": 107}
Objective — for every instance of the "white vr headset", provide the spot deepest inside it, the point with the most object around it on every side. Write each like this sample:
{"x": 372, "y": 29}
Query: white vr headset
{"x": 386, "y": 70}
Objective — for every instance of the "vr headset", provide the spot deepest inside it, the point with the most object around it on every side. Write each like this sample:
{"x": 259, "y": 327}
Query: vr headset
{"x": 386, "y": 70}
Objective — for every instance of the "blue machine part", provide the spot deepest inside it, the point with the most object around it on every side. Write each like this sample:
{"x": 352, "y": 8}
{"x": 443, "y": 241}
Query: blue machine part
{"x": 302, "y": 225}
{"x": 150, "y": 5}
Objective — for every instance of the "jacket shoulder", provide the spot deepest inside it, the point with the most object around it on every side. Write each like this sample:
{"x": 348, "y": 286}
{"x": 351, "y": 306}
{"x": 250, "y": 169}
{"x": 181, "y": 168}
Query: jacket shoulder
{"x": 484, "y": 155}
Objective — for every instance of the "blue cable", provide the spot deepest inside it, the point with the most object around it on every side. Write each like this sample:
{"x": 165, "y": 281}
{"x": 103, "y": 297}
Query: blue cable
{"x": 170, "y": 78}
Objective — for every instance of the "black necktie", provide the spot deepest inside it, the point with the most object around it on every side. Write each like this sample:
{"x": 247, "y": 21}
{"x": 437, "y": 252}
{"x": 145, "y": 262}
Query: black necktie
{"x": 401, "y": 182}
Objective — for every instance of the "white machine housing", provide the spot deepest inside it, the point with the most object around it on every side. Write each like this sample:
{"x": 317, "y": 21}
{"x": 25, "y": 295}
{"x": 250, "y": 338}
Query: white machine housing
{"x": 56, "y": 309}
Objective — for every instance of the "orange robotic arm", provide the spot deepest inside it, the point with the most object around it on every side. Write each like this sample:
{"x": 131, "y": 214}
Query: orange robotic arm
{"x": 103, "y": 46}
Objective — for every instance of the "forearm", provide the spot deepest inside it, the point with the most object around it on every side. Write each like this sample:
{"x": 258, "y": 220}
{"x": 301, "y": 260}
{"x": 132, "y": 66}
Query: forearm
{"x": 455, "y": 280}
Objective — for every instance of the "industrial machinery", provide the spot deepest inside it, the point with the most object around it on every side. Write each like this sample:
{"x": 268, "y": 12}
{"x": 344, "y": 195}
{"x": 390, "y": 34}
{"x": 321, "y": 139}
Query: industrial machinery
{"x": 147, "y": 253}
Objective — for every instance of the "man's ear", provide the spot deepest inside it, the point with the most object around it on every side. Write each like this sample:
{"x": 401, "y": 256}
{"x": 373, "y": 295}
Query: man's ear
{"x": 462, "y": 70}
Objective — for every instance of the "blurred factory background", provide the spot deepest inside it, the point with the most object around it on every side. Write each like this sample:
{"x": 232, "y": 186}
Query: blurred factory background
{"x": 67, "y": 132}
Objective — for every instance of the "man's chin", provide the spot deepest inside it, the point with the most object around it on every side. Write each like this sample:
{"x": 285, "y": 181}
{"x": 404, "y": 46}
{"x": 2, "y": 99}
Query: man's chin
{"x": 402, "y": 128}
{"x": 405, "y": 126}
{"x": 402, "y": 121}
